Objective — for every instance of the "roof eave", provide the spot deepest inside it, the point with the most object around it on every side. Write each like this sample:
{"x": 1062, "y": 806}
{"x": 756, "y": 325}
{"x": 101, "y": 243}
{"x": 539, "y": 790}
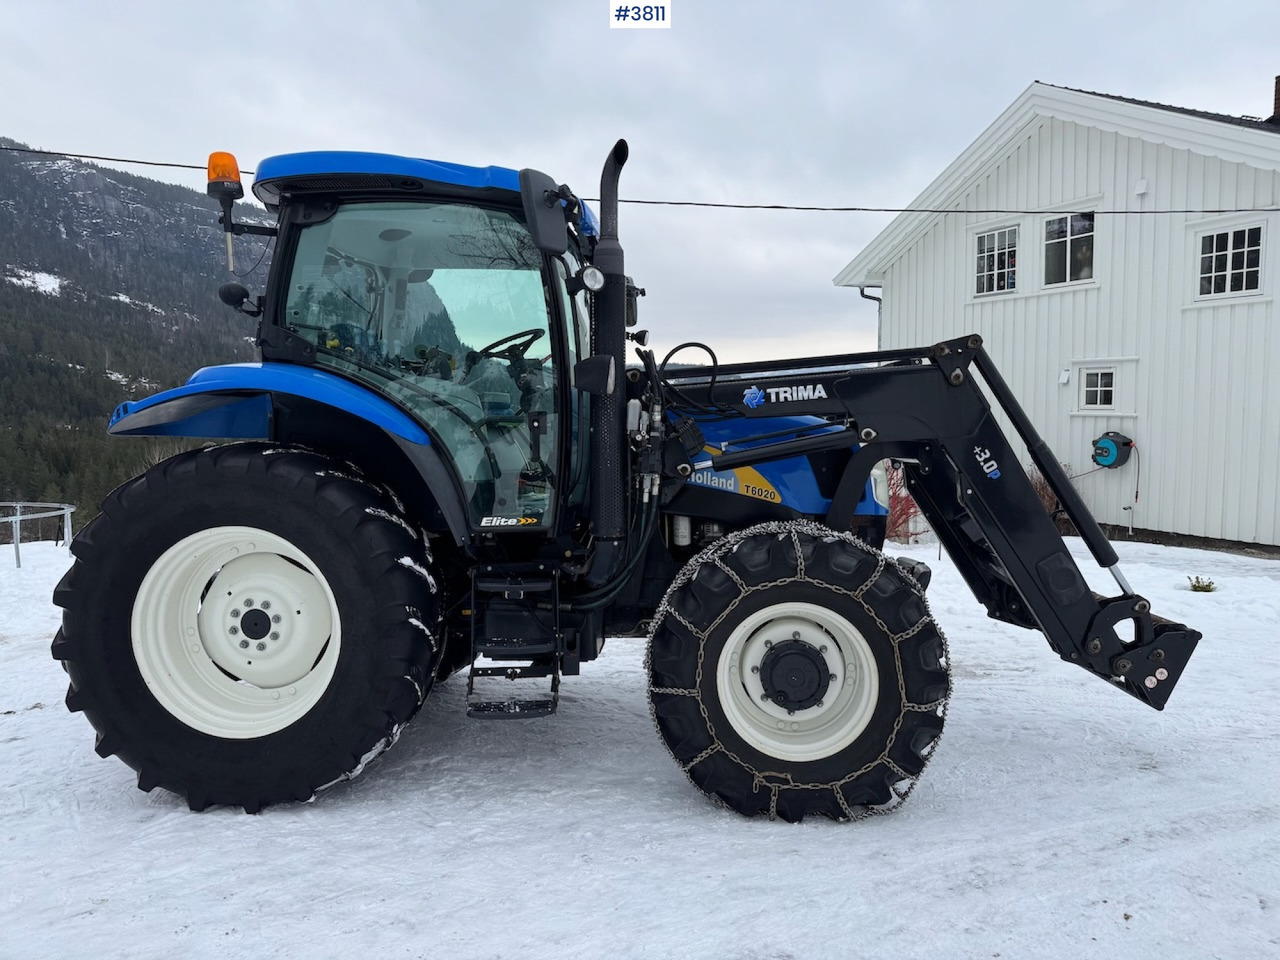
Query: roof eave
{"x": 1260, "y": 148}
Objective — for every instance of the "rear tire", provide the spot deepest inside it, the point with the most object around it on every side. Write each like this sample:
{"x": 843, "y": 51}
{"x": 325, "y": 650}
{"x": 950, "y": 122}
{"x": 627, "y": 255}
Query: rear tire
{"x": 794, "y": 670}
{"x": 247, "y": 625}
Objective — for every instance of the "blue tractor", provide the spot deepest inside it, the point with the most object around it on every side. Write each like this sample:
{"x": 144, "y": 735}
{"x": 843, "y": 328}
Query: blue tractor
{"x": 445, "y": 461}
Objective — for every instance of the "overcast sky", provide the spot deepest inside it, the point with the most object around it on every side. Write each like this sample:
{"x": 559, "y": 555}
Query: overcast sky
{"x": 822, "y": 102}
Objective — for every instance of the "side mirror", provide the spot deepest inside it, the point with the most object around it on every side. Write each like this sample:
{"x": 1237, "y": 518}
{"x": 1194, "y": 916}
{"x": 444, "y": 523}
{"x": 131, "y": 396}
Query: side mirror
{"x": 633, "y": 309}
{"x": 544, "y": 212}
{"x": 235, "y": 296}
{"x": 595, "y": 375}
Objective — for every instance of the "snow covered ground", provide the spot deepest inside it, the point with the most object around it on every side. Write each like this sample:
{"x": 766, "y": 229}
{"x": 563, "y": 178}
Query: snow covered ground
{"x": 1059, "y": 818}
{"x": 38, "y": 280}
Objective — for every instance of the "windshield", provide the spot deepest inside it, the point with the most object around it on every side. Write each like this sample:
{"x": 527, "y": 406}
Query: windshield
{"x": 443, "y": 307}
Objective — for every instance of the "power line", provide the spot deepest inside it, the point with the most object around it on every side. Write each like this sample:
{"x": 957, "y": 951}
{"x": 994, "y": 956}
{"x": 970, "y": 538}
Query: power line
{"x": 940, "y": 210}
{"x": 989, "y": 211}
{"x": 110, "y": 159}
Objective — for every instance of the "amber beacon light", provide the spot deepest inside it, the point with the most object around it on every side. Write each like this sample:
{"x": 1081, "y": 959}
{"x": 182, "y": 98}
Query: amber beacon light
{"x": 225, "y": 187}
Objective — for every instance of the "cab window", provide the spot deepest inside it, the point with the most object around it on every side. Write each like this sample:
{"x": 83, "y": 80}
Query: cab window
{"x": 443, "y": 308}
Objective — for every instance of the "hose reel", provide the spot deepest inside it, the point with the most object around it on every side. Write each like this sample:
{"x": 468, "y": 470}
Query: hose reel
{"x": 1112, "y": 450}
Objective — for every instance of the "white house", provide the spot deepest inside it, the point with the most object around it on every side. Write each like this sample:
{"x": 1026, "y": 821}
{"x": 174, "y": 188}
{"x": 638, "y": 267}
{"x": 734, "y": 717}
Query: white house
{"x": 1121, "y": 260}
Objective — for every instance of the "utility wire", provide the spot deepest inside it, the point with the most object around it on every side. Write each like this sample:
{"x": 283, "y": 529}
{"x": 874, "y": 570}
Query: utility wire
{"x": 990, "y": 210}
{"x": 994, "y": 211}
{"x": 90, "y": 156}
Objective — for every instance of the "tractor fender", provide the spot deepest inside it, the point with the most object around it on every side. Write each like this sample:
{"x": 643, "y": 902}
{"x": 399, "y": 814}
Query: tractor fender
{"x": 233, "y": 401}
{"x": 238, "y": 401}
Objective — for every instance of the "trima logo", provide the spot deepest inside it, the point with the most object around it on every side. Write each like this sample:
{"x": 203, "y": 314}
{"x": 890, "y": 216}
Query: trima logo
{"x": 804, "y": 391}
{"x": 754, "y": 397}
{"x": 507, "y": 521}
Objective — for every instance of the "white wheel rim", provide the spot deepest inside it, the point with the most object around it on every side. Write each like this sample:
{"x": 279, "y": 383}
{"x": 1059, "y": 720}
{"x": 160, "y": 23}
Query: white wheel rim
{"x": 236, "y": 632}
{"x": 820, "y": 730}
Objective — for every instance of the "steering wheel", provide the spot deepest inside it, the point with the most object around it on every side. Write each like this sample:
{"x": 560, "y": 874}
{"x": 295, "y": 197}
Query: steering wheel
{"x": 516, "y": 345}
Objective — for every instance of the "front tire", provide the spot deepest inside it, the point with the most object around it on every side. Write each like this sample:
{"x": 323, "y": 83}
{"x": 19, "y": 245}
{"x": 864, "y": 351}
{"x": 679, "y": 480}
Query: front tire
{"x": 246, "y": 625}
{"x": 794, "y": 670}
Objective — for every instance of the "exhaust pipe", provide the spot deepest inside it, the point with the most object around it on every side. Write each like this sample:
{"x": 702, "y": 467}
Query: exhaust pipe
{"x": 608, "y": 338}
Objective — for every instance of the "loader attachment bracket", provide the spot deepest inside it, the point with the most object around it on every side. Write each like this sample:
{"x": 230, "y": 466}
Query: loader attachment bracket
{"x": 1150, "y": 665}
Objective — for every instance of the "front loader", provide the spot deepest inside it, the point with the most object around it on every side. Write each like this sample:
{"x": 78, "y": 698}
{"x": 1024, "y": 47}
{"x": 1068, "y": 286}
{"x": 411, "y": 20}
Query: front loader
{"x": 445, "y": 461}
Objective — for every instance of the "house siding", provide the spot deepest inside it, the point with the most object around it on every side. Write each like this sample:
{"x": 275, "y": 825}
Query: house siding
{"x": 1196, "y": 375}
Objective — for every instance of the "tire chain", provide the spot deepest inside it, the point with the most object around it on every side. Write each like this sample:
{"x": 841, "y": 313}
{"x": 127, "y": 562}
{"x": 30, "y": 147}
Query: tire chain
{"x": 775, "y": 782}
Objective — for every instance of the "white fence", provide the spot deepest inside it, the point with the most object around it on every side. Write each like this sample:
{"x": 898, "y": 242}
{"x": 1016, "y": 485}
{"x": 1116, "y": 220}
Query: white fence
{"x": 16, "y": 514}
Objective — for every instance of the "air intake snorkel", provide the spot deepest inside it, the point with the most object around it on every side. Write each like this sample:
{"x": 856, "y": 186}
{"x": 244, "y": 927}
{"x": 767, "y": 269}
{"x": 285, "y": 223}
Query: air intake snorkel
{"x": 608, "y": 339}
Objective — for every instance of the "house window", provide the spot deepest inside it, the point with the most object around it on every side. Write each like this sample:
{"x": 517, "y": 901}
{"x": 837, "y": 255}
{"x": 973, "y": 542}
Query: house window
{"x": 997, "y": 261}
{"x": 1229, "y": 261}
{"x": 1068, "y": 248}
{"x": 1097, "y": 388}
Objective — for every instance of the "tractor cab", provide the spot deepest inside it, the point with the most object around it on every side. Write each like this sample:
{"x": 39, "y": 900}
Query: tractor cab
{"x": 437, "y": 294}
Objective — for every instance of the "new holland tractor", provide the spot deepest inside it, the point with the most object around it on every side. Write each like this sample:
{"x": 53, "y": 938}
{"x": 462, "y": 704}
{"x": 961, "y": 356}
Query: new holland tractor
{"x": 444, "y": 461}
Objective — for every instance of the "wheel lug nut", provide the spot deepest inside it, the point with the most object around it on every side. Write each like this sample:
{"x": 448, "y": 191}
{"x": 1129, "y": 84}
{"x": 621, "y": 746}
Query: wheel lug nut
{"x": 248, "y": 602}
{"x": 235, "y": 613}
{"x": 275, "y": 618}
{"x": 831, "y": 676}
{"x": 768, "y": 643}
{"x": 265, "y": 604}
{"x": 244, "y": 644}
{"x": 818, "y": 704}
{"x": 275, "y": 635}
{"x": 823, "y": 648}
{"x": 233, "y": 631}
{"x": 795, "y": 635}
{"x": 764, "y": 696}
{"x": 261, "y": 647}
{"x": 755, "y": 669}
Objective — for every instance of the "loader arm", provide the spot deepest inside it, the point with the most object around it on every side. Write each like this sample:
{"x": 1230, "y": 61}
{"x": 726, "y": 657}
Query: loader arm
{"x": 924, "y": 407}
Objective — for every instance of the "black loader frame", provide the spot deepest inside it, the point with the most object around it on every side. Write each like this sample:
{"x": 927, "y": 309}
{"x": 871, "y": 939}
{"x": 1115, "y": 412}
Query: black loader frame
{"x": 923, "y": 408}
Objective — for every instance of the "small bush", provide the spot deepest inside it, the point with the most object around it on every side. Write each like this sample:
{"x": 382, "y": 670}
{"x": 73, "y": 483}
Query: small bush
{"x": 1201, "y": 584}
{"x": 905, "y": 520}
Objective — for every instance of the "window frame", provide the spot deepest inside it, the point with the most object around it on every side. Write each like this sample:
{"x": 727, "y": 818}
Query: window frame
{"x": 420, "y": 403}
{"x": 1068, "y": 241}
{"x": 1100, "y": 370}
{"x": 980, "y": 232}
{"x": 1229, "y": 231}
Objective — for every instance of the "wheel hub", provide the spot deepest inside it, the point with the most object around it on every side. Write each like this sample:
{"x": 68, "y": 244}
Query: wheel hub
{"x": 264, "y": 620}
{"x": 255, "y": 625}
{"x": 797, "y": 681}
{"x": 794, "y": 675}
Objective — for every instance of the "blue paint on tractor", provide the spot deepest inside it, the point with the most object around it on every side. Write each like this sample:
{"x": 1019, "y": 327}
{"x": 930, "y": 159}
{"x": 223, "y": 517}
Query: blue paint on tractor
{"x": 356, "y": 163}
{"x": 330, "y": 163}
{"x": 233, "y": 401}
{"x": 793, "y": 478}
